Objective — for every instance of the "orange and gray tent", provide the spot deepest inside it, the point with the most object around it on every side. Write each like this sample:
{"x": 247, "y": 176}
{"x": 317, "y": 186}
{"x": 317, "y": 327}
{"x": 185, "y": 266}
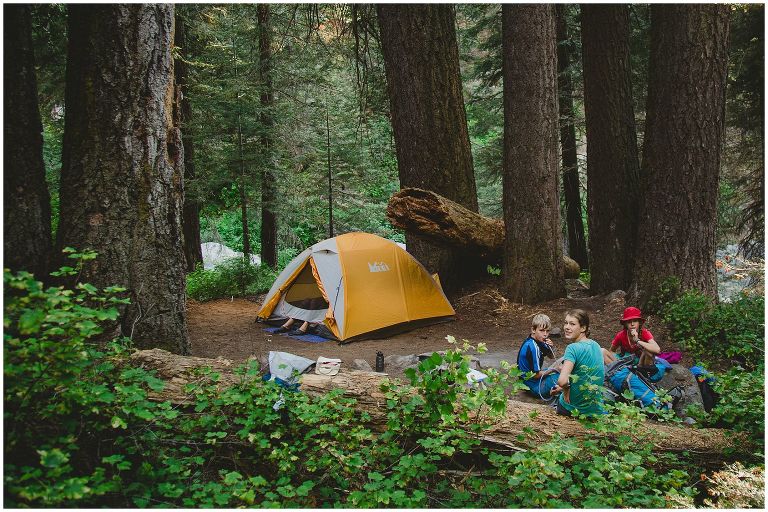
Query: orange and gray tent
{"x": 358, "y": 285}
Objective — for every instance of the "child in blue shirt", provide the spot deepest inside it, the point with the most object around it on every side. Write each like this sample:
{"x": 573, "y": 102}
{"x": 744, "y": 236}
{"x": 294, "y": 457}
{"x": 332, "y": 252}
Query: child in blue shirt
{"x": 530, "y": 358}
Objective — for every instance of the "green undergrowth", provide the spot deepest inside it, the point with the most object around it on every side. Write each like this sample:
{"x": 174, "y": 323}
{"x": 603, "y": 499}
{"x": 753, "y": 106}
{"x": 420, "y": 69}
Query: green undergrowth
{"x": 81, "y": 430}
{"x": 234, "y": 277}
{"x": 729, "y": 336}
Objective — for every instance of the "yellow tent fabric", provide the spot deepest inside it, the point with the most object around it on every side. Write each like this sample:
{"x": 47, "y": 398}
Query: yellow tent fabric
{"x": 385, "y": 285}
{"x": 370, "y": 283}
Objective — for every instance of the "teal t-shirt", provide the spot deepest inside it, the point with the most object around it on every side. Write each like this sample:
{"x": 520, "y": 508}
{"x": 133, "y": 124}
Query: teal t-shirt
{"x": 588, "y": 367}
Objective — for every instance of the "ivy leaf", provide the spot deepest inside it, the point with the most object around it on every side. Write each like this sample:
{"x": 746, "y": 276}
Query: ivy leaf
{"x": 52, "y": 458}
{"x": 30, "y": 321}
{"x": 118, "y": 422}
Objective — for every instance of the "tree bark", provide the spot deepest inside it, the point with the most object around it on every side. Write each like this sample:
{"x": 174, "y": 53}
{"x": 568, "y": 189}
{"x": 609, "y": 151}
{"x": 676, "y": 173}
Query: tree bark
{"x": 683, "y": 141}
{"x": 444, "y": 222}
{"x": 122, "y": 168}
{"x": 27, "y": 204}
{"x": 429, "y": 121}
{"x": 193, "y": 253}
{"x": 613, "y": 195}
{"x": 268, "y": 193}
{"x": 577, "y": 242}
{"x": 522, "y": 419}
{"x": 533, "y": 253}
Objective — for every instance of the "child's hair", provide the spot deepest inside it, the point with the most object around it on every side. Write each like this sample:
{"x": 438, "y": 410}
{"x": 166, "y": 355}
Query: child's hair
{"x": 581, "y": 316}
{"x": 541, "y": 320}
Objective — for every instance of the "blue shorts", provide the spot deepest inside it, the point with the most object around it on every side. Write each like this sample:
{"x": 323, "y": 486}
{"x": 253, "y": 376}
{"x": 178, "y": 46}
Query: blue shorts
{"x": 540, "y": 388}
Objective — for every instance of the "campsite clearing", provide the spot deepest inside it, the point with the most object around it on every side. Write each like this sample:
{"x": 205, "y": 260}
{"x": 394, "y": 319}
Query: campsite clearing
{"x": 228, "y": 328}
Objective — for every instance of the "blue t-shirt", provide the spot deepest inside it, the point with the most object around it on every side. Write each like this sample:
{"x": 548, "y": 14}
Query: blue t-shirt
{"x": 588, "y": 368}
{"x": 530, "y": 358}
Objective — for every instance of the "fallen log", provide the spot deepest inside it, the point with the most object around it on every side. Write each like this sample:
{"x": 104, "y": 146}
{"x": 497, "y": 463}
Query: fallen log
{"x": 536, "y": 422}
{"x": 447, "y": 223}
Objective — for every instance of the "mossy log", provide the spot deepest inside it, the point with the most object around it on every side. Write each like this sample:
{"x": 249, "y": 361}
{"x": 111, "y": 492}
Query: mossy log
{"x": 445, "y": 222}
{"x": 535, "y": 422}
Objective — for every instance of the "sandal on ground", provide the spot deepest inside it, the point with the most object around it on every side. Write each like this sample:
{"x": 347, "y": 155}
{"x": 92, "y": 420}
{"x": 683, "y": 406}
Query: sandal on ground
{"x": 281, "y": 330}
{"x": 298, "y": 332}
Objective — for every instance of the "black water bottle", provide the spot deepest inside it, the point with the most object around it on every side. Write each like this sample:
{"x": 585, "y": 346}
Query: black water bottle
{"x": 379, "y": 362}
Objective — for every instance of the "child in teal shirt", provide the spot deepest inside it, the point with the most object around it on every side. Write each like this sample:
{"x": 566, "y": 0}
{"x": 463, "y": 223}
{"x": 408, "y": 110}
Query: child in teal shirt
{"x": 583, "y": 359}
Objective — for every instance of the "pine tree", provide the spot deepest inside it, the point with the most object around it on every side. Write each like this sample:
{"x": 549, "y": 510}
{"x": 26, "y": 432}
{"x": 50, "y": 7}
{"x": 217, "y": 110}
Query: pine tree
{"x": 533, "y": 258}
{"x": 26, "y": 206}
{"x": 429, "y": 120}
{"x": 122, "y": 165}
{"x": 681, "y": 156}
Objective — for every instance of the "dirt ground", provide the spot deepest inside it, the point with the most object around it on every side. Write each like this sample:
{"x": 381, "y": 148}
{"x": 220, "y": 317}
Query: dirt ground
{"x": 227, "y": 328}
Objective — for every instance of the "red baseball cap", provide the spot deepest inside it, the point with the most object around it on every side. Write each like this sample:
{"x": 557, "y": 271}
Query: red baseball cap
{"x": 632, "y": 313}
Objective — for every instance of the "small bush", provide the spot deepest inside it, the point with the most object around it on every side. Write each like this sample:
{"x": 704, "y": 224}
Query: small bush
{"x": 683, "y": 316}
{"x": 232, "y": 278}
{"x": 732, "y": 331}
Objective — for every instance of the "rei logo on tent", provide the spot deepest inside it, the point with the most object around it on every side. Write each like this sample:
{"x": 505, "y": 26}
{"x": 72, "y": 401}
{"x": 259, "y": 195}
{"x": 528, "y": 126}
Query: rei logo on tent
{"x": 378, "y": 266}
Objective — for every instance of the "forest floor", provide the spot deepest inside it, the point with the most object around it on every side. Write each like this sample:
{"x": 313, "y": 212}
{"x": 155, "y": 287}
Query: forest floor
{"x": 227, "y": 328}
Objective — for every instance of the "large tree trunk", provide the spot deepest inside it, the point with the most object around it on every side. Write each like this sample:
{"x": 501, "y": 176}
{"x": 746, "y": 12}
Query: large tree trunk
{"x": 193, "y": 253}
{"x": 577, "y": 242}
{"x": 268, "y": 217}
{"x": 683, "y": 140}
{"x": 446, "y": 223}
{"x": 27, "y": 204}
{"x": 522, "y": 419}
{"x": 429, "y": 121}
{"x": 121, "y": 176}
{"x": 613, "y": 196}
{"x": 533, "y": 253}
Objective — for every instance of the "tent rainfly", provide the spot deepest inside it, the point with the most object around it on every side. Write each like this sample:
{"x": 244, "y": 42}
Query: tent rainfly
{"x": 358, "y": 285}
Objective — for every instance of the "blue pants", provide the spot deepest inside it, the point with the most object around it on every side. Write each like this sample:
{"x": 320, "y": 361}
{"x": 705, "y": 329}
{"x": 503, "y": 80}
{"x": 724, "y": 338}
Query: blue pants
{"x": 540, "y": 388}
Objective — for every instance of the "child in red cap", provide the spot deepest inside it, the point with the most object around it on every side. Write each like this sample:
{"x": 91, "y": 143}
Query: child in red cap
{"x": 635, "y": 339}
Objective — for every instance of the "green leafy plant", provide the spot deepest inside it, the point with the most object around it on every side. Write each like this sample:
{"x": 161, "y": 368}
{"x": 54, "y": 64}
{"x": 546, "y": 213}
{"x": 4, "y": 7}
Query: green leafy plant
{"x": 63, "y": 391}
{"x": 232, "y": 278}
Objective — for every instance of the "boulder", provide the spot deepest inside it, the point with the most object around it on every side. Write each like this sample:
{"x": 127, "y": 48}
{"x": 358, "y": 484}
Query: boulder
{"x": 681, "y": 376}
{"x": 361, "y": 364}
{"x": 615, "y": 295}
{"x": 396, "y": 362}
{"x": 571, "y": 267}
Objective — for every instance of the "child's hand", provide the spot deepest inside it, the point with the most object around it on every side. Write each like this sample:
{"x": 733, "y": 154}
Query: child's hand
{"x": 633, "y": 333}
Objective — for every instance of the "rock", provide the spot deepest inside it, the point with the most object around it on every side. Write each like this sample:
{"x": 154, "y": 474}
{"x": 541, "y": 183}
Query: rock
{"x": 615, "y": 295}
{"x": 395, "y": 362}
{"x": 494, "y": 359}
{"x": 679, "y": 375}
{"x": 555, "y": 332}
{"x": 571, "y": 268}
{"x": 215, "y": 253}
{"x": 361, "y": 364}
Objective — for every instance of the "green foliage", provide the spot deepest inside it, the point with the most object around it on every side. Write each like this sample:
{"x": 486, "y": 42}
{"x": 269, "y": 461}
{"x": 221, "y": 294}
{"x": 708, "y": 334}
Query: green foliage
{"x": 81, "y": 432}
{"x": 668, "y": 291}
{"x": 742, "y": 402}
{"x": 62, "y": 392}
{"x": 234, "y": 277}
{"x": 226, "y": 227}
{"x": 733, "y": 331}
{"x": 683, "y": 316}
